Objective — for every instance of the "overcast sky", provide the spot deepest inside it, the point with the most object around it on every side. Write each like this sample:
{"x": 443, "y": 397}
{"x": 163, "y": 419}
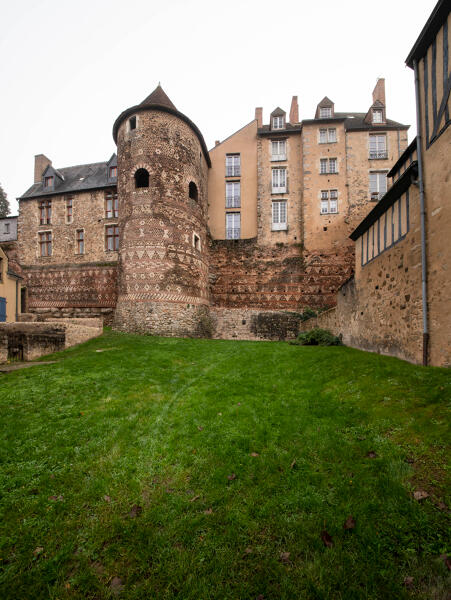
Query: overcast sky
{"x": 67, "y": 69}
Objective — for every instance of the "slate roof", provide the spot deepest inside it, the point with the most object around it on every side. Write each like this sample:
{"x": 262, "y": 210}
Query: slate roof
{"x": 158, "y": 96}
{"x": 289, "y": 128}
{"x": 356, "y": 122}
{"x": 429, "y": 32}
{"x": 278, "y": 112}
{"x": 75, "y": 179}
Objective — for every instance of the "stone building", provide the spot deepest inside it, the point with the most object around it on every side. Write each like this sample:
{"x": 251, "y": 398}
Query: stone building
{"x": 399, "y": 301}
{"x": 169, "y": 238}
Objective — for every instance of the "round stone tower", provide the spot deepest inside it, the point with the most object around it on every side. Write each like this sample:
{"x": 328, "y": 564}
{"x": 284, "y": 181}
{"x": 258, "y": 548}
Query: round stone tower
{"x": 163, "y": 166}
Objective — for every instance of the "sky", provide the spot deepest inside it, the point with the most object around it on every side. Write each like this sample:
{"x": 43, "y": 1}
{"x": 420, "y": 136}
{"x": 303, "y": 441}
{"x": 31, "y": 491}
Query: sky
{"x": 68, "y": 69}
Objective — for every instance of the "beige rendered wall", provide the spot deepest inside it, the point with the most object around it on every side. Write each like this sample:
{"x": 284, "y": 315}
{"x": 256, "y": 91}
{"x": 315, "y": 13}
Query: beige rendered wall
{"x": 8, "y": 289}
{"x": 293, "y": 196}
{"x": 243, "y": 142}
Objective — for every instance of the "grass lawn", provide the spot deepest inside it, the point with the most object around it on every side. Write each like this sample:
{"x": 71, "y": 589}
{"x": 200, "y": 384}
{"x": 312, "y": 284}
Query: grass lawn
{"x": 145, "y": 467}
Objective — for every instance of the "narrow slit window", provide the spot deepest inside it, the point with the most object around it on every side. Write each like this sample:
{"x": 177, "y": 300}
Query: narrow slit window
{"x": 142, "y": 178}
{"x": 132, "y": 123}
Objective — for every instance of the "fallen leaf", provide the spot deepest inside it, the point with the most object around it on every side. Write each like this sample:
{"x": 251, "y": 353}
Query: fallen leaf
{"x": 239, "y": 404}
{"x": 420, "y": 495}
{"x": 56, "y": 498}
{"x": 349, "y": 523}
{"x": 371, "y": 454}
{"x": 447, "y": 560}
{"x": 52, "y": 476}
{"x": 37, "y": 551}
{"x": 442, "y": 506}
{"x": 260, "y": 597}
{"x": 255, "y": 454}
{"x": 231, "y": 477}
{"x": 67, "y": 586}
{"x": 107, "y": 499}
{"x": 248, "y": 551}
{"x": 200, "y": 428}
{"x": 410, "y": 460}
{"x": 408, "y": 582}
{"x": 98, "y": 568}
{"x": 285, "y": 557}
{"x": 194, "y": 498}
{"x": 209, "y": 511}
{"x": 220, "y": 414}
{"x": 327, "y": 539}
{"x": 135, "y": 511}
{"x": 293, "y": 463}
{"x": 116, "y": 585}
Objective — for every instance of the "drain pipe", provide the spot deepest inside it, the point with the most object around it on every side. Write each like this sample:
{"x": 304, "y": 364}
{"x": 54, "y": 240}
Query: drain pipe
{"x": 422, "y": 220}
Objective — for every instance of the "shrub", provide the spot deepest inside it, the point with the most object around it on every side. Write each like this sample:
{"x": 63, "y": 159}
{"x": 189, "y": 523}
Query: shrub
{"x": 308, "y": 313}
{"x": 317, "y": 337}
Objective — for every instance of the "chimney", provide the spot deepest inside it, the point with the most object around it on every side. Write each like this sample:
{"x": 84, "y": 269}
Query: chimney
{"x": 217, "y": 142}
{"x": 41, "y": 162}
{"x": 259, "y": 116}
{"x": 294, "y": 111}
{"x": 379, "y": 91}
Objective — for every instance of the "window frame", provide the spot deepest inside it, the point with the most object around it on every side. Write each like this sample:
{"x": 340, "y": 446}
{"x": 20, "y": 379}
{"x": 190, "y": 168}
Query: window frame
{"x": 324, "y": 135}
{"x": 329, "y": 202}
{"x": 231, "y": 231}
{"x": 80, "y": 241}
{"x": 69, "y": 209}
{"x": 111, "y": 197}
{"x": 279, "y": 156}
{"x": 279, "y": 208}
{"x": 278, "y": 122}
{"x": 328, "y": 110}
{"x": 45, "y": 211}
{"x": 114, "y": 236}
{"x": 377, "y": 153}
{"x": 276, "y": 187}
{"x": 327, "y": 164}
{"x": 45, "y": 242}
{"x": 380, "y": 113}
{"x": 234, "y": 168}
{"x": 233, "y": 200}
{"x": 376, "y": 195}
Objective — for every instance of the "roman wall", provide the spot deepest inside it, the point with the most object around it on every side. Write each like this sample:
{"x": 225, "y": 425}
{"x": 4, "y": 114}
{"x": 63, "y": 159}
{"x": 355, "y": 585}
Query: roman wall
{"x": 163, "y": 252}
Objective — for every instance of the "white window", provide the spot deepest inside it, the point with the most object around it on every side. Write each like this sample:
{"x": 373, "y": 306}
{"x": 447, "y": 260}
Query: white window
{"x": 327, "y": 135}
{"x": 328, "y": 165}
{"x": 279, "y": 150}
{"x": 329, "y": 201}
{"x": 278, "y": 122}
{"x": 377, "y": 115}
{"x": 279, "y": 215}
{"x": 325, "y": 112}
{"x": 196, "y": 241}
{"x": 378, "y": 184}
{"x": 233, "y": 194}
{"x": 378, "y": 146}
{"x": 233, "y": 226}
{"x": 279, "y": 181}
{"x": 233, "y": 165}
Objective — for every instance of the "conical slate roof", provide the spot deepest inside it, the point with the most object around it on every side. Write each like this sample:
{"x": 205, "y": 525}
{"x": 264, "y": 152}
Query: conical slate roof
{"x": 158, "y": 96}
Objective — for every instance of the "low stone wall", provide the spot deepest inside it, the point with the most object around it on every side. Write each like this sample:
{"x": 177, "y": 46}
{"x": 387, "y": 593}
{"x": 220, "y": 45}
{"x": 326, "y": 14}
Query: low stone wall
{"x": 50, "y": 314}
{"x": 253, "y": 324}
{"x": 27, "y": 341}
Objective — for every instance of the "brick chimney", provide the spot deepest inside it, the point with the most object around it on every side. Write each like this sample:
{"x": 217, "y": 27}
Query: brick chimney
{"x": 41, "y": 162}
{"x": 379, "y": 91}
{"x": 294, "y": 111}
{"x": 259, "y": 116}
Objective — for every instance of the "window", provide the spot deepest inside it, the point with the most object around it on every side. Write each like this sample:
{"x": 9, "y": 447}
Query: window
{"x": 113, "y": 172}
{"x": 279, "y": 215}
{"x": 233, "y": 226}
{"x": 80, "y": 241}
{"x": 48, "y": 182}
{"x": 278, "y": 122}
{"x": 111, "y": 238}
{"x": 279, "y": 181}
{"x": 45, "y": 212}
{"x": 378, "y": 185}
{"x": 6, "y": 227}
{"x": 1, "y": 269}
{"x": 328, "y": 165}
{"x": 327, "y": 136}
{"x": 69, "y": 209}
{"x": 192, "y": 190}
{"x": 378, "y": 146}
{"x": 233, "y": 194}
{"x": 111, "y": 205}
{"x": 142, "y": 178}
{"x": 279, "y": 150}
{"x": 329, "y": 201}
{"x": 377, "y": 115}
{"x": 325, "y": 112}
{"x": 132, "y": 123}
{"x": 233, "y": 165}
{"x": 196, "y": 241}
{"x": 45, "y": 243}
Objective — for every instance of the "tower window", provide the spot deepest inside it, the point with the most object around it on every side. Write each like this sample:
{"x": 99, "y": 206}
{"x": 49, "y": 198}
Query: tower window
{"x": 132, "y": 123}
{"x": 113, "y": 172}
{"x": 142, "y": 178}
{"x": 196, "y": 241}
{"x": 193, "y": 193}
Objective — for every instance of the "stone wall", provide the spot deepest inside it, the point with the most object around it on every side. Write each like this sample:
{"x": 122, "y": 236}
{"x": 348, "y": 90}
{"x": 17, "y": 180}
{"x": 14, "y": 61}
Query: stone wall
{"x": 28, "y": 341}
{"x": 282, "y": 277}
{"x": 254, "y": 324}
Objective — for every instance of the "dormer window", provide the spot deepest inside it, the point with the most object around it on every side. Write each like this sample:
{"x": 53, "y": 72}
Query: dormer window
{"x": 132, "y": 123}
{"x": 113, "y": 172}
{"x": 48, "y": 182}
{"x": 377, "y": 115}
{"x": 325, "y": 112}
{"x": 278, "y": 122}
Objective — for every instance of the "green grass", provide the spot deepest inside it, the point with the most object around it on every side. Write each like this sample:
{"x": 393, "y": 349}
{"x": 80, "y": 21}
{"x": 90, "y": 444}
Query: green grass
{"x": 161, "y": 424}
